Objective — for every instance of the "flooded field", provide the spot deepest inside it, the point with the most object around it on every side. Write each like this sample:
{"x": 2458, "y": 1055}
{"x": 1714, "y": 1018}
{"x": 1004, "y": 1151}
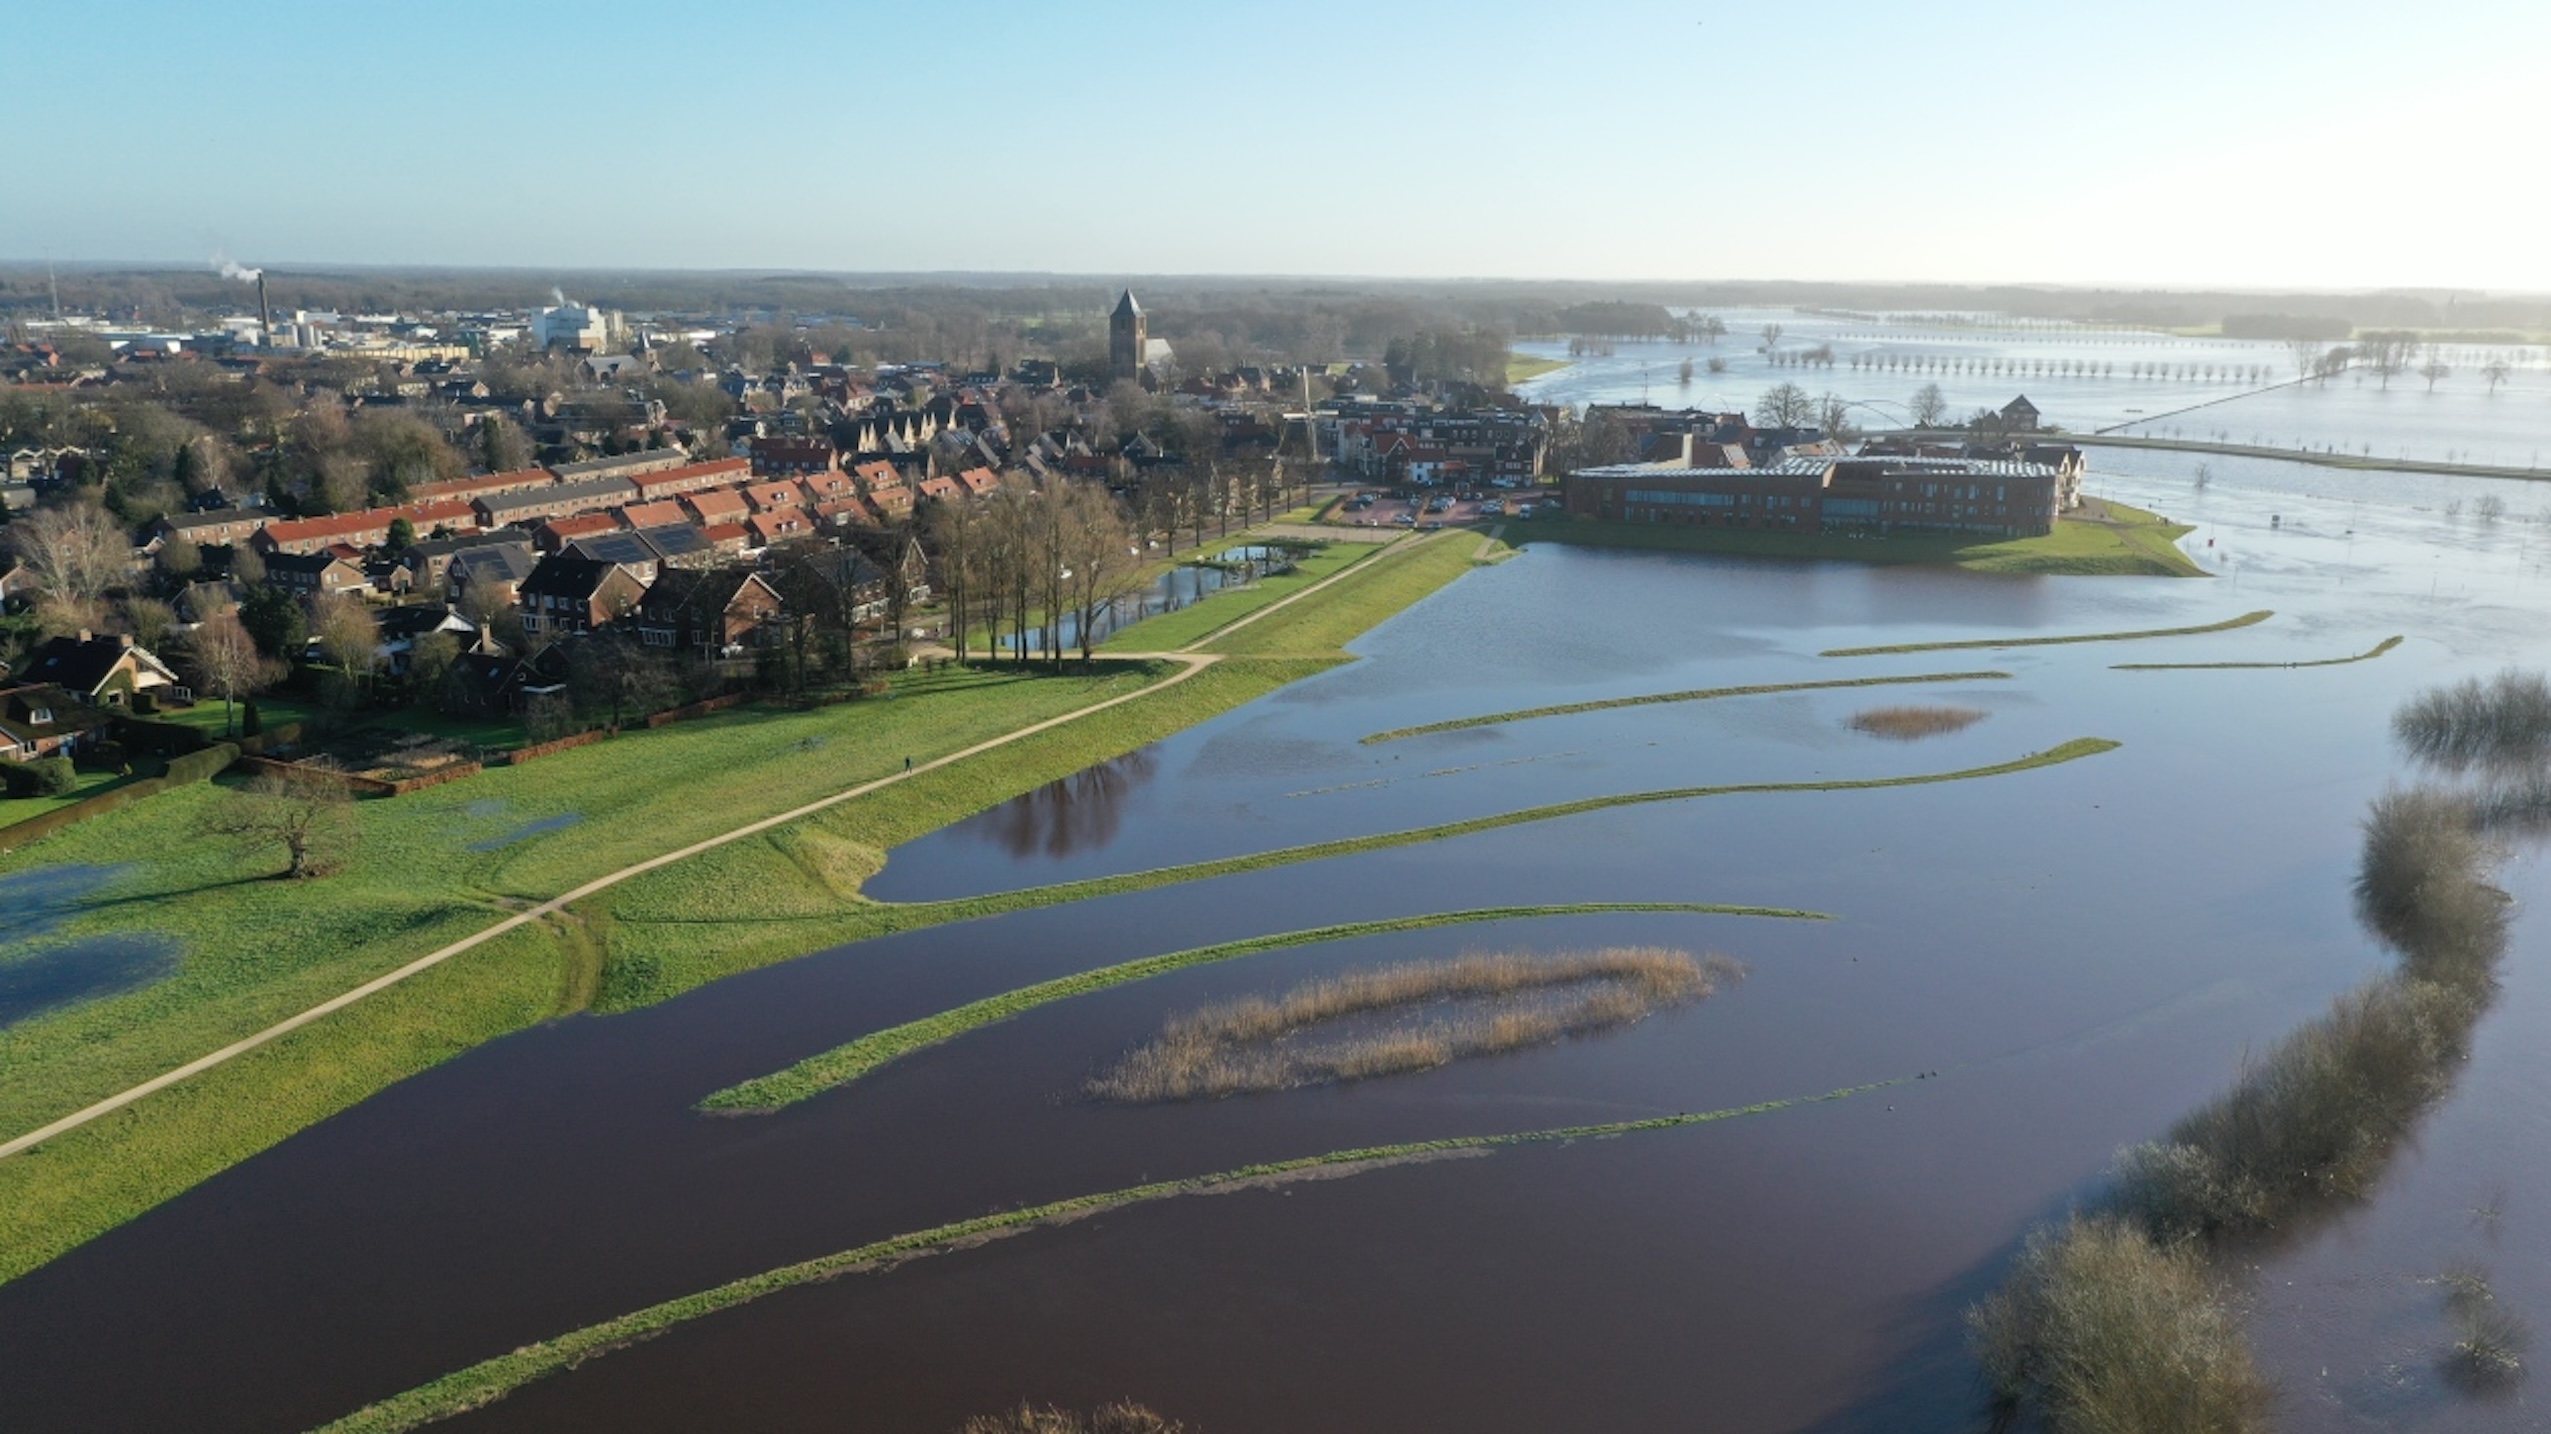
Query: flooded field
{"x": 2055, "y": 962}
{"x": 2085, "y": 378}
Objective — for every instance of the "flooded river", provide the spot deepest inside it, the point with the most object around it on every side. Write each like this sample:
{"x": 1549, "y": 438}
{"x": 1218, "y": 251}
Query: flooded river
{"x": 2082, "y": 953}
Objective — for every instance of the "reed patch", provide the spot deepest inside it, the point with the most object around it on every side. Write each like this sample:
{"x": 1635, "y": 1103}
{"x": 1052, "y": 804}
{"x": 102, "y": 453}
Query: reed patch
{"x": 1913, "y": 723}
{"x": 1394, "y": 1020}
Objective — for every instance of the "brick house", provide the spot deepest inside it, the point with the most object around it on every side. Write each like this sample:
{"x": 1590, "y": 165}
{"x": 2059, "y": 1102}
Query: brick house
{"x": 716, "y": 612}
{"x": 566, "y": 595}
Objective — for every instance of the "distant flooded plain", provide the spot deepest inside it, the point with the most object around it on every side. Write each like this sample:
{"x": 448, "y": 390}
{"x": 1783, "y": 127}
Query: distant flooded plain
{"x": 2069, "y": 959}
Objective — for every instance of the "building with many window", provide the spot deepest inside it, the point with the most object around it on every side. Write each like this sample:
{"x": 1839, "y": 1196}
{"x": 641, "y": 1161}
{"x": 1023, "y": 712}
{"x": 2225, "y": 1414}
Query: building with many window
{"x": 1999, "y": 498}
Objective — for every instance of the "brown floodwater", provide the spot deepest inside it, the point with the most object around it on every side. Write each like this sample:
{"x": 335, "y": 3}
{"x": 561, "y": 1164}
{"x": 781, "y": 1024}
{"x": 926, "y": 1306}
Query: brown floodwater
{"x": 2083, "y": 954}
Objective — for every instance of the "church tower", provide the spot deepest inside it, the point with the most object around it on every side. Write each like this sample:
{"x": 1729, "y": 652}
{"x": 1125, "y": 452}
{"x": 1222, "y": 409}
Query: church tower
{"x": 1126, "y": 339}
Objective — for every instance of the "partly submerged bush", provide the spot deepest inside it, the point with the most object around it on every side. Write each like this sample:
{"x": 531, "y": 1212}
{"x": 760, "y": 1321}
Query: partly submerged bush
{"x": 2421, "y": 885}
{"x": 2487, "y": 1353}
{"x": 2103, "y": 1331}
{"x": 1911, "y": 723}
{"x": 2313, "y": 1122}
{"x": 1409, "y": 1017}
{"x": 1121, "y": 1417}
{"x": 2501, "y": 723}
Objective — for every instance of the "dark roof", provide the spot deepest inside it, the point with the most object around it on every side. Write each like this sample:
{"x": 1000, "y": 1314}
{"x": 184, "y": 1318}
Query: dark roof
{"x": 2019, "y": 405}
{"x": 678, "y": 540}
{"x": 79, "y": 666}
{"x": 1127, "y": 304}
{"x": 506, "y": 562}
{"x": 559, "y": 575}
{"x": 696, "y": 589}
{"x": 618, "y": 548}
{"x": 312, "y": 563}
{"x": 399, "y": 622}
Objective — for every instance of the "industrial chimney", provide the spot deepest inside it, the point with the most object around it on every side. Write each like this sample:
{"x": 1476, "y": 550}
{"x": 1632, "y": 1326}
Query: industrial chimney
{"x": 265, "y": 318}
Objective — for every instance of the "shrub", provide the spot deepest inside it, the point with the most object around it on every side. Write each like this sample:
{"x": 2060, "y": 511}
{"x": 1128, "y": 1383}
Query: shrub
{"x": 42, "y": 777}
{"x": 2502, "y": 723}
{"x": 251, "y": 722}
{"x": 2102, "y": 1331}
{"x": 1121, "y": 1417}
{"x": 2419, "y": 885}
{"x": 2314, "y": 1121}
{"x": 2487, "y": 1353}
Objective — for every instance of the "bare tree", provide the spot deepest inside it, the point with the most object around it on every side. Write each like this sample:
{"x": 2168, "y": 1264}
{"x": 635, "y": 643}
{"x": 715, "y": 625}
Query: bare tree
{"x": 1104, "y": 560}
{"x": 223, "y": 658}
{"x": 1784, "y": 405}
{"x": 1771, "y": 337}
{"x": 75, "y": 551}
{"x": 2435, "y": 367}
{"x": 349, "y": 636}
{"x": 1930, "y": 406}
{"x": 310, "y": 815}
{"x": 2494, "y": 373}
{"x": 2387, "y": 351}
{"x": 2307, "y": 356}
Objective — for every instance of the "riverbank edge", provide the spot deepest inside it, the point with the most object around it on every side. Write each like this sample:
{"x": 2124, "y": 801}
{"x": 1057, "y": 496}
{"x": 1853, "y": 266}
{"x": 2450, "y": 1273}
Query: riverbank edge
{"x": 1650, "y": 699}
{"x": 84, "y": 1182}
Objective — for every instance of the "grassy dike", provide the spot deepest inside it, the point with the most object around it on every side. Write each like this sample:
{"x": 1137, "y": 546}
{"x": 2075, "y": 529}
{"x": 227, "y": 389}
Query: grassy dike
{"x": 2132, "y": 543}
{"x": 849, "y": 1062}
{"x": 2368, "y": 655}
{"x": 1697, "y": 694}
{"x": 489, "y": 1380}
{"x": 257, "y": 951}
{"x": 2247, "y": 619}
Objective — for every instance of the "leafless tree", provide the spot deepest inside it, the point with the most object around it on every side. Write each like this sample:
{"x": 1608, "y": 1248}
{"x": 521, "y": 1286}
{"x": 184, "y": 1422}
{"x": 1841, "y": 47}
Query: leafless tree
{"x": 1784, "y": 405}
{"x": 349, "y": 635}
{"x": 2307, "y": 356}
{"x": 2387, "y": 351}
{"x": 1930, "y": 406}
{"x": 223, "y": 658}
{"x": 2435, "y": 367}
{"x": 307, "y": 813}
{"x": 74, "y": 551}
{"x": 2494, "y": 373}
{"x": 1104, "y": 561}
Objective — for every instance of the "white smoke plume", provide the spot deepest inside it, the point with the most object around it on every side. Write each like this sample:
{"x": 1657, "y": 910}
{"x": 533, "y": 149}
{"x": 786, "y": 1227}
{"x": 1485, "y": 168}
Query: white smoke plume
{"x": 558, "y": 295}
{"x": 230, "y": 268}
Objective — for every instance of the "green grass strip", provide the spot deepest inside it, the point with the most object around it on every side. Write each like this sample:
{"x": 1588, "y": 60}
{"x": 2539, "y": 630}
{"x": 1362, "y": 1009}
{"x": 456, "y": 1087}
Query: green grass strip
{"x": 1697, "y": 694}
{"x": 846, "y": 1063}
{"x": 2244, "y": 620}
{"x": 489, "y": 1380}
{"x": 2368, "y": 655}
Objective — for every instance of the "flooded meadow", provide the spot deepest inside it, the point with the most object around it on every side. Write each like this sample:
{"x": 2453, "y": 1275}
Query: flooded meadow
{"x": 2017, "y": 974}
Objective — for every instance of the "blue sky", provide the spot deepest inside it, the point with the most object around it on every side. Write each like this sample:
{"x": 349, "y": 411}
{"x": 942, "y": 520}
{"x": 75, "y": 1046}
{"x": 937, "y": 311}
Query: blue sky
{"x": 2242, "y": 142}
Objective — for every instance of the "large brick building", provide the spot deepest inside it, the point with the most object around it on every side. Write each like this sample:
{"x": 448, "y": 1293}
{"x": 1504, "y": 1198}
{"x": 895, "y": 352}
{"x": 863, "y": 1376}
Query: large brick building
{"x": 1870, "y": 494}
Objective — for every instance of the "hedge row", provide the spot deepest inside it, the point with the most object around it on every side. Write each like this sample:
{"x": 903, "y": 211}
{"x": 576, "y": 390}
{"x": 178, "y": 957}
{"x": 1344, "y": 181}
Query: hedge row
{"x": 182, "y": 771}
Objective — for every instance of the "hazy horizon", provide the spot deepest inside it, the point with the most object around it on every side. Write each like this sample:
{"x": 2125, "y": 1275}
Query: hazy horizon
{"x": 2280, "y": 147}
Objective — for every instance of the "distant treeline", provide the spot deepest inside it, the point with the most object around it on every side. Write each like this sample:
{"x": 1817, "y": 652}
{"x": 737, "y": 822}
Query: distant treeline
{"x": 2286, "y": 326}
{"x": 1241, "y": 319}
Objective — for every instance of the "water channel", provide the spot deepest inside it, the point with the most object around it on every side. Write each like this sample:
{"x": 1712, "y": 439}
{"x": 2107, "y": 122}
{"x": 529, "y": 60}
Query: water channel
{"x": 2082, "y": 953}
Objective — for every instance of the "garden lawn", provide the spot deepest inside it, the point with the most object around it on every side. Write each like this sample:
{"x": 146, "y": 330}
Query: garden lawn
{"x": 86, "y": 784}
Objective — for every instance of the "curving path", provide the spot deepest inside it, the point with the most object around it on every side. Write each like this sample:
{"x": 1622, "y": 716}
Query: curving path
{"x": 1190, "y": 664}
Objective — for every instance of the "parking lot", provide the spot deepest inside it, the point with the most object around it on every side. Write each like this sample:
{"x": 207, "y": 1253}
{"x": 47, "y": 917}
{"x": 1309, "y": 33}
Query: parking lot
{"x": 1378, "y": 508}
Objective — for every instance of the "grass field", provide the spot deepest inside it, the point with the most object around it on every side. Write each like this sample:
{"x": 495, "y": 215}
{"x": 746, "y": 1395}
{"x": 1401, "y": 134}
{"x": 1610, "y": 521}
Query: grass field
{"x": 492, "y": 1379}
{"x": 1697, "y": 694}
{"x": 2368, "y": 655}
{"x": 2247, "y": 619}
{"x": 1170, "y": 631}
{"x": 1521, "y": 366}
{"x": 85, "y": 785}
{"x": 2133, "y": 543}
{"x": 258, "y": 950}
{"x": 849, "y": 1062}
